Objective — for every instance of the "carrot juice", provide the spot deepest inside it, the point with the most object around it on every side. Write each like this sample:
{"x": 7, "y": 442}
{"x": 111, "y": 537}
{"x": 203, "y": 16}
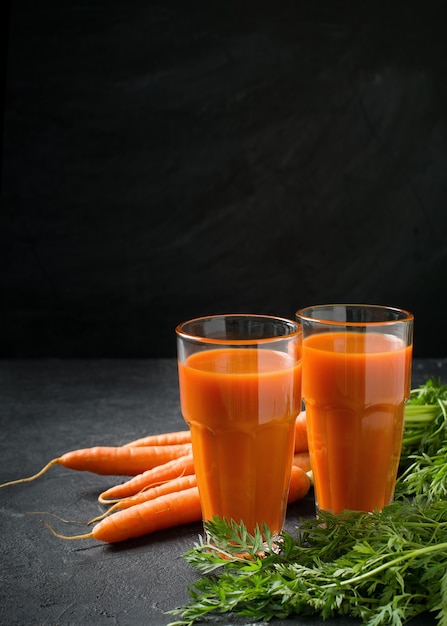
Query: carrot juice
{"x": 241, "y": 405}
{"x": 355, "y": 385}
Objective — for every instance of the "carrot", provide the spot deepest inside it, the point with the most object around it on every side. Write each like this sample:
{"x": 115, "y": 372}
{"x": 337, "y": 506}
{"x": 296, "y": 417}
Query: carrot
{"x": 301, "y": 444}
{"x": 302, "y": 459}
{"x": 165, "y": 439}
{"x": 171, "y": 486}
{"x": 173, "y": 509}
{"x": 110, "y": 460}
{"x": 299, "y": 484}
{"x": 166, "y": 511}
{"x": 182, "y": 466}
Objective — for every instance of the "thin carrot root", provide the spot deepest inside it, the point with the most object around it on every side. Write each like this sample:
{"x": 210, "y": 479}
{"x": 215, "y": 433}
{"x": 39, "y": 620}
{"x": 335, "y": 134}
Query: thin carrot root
{"x": 30, "y": 478}
{"x": 69, "y": 537}
{"x": 58, "y": 517}
{"x": 98, "y": 518}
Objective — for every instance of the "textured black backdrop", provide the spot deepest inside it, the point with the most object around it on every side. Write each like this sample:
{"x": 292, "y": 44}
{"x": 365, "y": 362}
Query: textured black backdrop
{"x": 170, "y": 159}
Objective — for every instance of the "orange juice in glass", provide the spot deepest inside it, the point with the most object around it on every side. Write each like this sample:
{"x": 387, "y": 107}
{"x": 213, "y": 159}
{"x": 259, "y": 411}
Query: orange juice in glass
{"x": 356, "y": 380}
{"x": 240, "y": 393}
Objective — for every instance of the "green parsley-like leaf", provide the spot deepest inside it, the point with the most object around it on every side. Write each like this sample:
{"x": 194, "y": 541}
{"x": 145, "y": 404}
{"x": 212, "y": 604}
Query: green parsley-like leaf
{"x": 383, "y": 567}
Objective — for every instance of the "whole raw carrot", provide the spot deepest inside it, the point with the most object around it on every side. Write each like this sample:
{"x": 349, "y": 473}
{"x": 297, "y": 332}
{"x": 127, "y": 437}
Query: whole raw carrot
{"x": 301, "y": 443}
{"x": 112, "y": 460}
{"x": 164, "y": 439}
{"x": 299, "y": 484}
{"x": 171, "y": 486}
{"x": 173, "y": 509}
{"x": 182, "y": 466}
{"x": 167, "y": 511}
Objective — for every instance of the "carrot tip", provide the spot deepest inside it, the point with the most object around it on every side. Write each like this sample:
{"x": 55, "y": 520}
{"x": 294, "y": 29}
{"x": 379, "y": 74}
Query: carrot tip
{"x": 58, "y": 517}
{"x": 102, "y": 516}
{"x": 30, "y": 478}
{"x": 71, "y": 537}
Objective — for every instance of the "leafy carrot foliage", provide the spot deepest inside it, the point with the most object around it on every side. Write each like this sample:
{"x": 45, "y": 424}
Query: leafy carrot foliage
{"x": 382, "y": 567}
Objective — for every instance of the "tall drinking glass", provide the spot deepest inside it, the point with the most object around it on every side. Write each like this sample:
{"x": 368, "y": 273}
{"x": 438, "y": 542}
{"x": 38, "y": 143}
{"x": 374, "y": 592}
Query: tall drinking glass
{"x": 356, "y": 380}
{"x": 240, "y": 393}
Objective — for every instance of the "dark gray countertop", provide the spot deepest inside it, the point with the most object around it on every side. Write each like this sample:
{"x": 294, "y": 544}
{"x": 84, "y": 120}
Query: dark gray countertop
{"x": 49, "y": 407}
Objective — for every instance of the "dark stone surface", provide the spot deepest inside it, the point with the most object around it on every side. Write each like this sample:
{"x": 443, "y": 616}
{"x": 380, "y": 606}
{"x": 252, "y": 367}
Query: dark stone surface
{"x": 51, "y": 406}
{"x": 166, "y": 160}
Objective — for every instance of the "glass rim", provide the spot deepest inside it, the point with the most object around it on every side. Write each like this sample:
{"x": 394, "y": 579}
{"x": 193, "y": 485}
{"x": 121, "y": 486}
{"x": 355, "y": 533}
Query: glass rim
{"x": 405, "y": 316}
{"x": 296, "y": 329}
